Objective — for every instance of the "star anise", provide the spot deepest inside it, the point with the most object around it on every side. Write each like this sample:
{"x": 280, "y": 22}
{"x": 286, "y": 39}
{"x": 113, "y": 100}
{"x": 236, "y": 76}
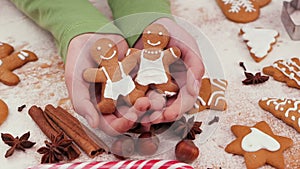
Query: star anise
{"x": 253, "y": 79}
{"x": 187, "y": 129}
{"x": 16, "y": 143}
{"x": 56, "y": 150}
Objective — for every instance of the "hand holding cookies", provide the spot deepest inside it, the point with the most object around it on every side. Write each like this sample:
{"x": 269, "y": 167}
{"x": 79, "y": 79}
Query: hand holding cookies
{"x": 186, "y": 71}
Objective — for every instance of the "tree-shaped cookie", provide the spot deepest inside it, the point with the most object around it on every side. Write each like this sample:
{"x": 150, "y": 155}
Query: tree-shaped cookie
{"x": 259, "y": 41}
{"x": 112, "y": 74}
{"x": 11, "y": 62}
{"x": 287, "y": 71}
{"x": 154, "y": 60}
{"x": 287, "y": 110}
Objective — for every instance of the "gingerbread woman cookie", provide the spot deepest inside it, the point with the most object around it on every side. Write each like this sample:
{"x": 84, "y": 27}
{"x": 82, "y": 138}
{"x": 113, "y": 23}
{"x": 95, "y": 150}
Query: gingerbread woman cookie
{"x": 259, "y": 145}
{"x": 288, "y": 110}
{"x": 259, "y": 41}
{"x": 112, "y": 74}
{"x": 287, "y": 71}
{"x": 12, "y": 62}
{"x": 154, "y": 60}
{"x": 3, "y": 111}
{"x": 242, "y": 11}
{"x": 211, "y": 95}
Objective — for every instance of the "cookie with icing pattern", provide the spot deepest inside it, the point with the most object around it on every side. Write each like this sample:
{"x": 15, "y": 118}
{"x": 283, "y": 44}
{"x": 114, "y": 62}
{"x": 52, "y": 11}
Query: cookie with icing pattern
{"x": 259, "y": 41}
{"x": 287, "y": 71}
{"x": 259, "y": 145}
{"x": 9, "y": 63}
{"x": 287, "y": 110}
{"x": 211, "y": 95}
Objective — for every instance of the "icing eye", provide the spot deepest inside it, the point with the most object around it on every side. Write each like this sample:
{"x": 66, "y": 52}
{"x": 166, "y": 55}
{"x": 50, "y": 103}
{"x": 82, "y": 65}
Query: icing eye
{"x": 148, "y": 32}
{"x": 109, "y": 45}
{"x": 98, "y": 48}
{"x": 160, "y": 33}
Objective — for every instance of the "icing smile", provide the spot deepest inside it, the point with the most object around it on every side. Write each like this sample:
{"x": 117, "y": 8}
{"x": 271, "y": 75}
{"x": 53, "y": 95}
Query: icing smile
{"x": 107, "y": 58}
{"x": 153, "y": 44}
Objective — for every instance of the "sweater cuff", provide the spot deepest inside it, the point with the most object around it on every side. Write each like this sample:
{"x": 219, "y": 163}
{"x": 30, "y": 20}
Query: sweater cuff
{"x": 82, "y": 28}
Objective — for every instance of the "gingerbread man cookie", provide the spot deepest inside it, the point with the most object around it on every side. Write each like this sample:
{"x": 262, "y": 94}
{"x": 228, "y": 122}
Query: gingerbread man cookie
{"x": 287, "y": 71}
{"x": 259, "y": 41}
{"x": 259, "y": 145}
{"x": 211, "y": 95}
{"x": 242, "y": 11}
{"x": 112, "y": 74}
{"x": 154, "y": 60}
{"x": 288, "y": 110}
{"x": 12, "y": 62}
{"x": 3, "y": 111}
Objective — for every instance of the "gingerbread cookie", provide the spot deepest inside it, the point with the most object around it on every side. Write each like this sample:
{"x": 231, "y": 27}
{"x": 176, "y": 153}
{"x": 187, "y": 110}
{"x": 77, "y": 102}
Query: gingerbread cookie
{"x": 211, "y": 95}
{"x": 12, "y": 62}
{"x": 259, "y": 41}
{"x": 3, "y": 111}
{"x": 287, "y": 71}
{"x": 259, "y": 145}
{"x": 5, "y": 49}
{"x": 242, "y": 11}
{"x": 287, "y": 110}
{"x": 154, "y": 60}
{"x": 112, "y": 74}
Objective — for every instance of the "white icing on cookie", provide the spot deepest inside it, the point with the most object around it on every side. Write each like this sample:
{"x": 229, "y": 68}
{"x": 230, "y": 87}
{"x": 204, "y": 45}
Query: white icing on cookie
{"x": 1, "y": 62}
{"x": 23, "y": 55}
{"x": 110, "y": 57}
{"x": 153, "y": 44}
{"x": 288, "y": 68}
{"x": 259, "y": 40}
{"x": 172, "y": 52}
{"x": 237, "y": 5}
{"x": 296, "y": 103}
{"x": 257, "y": 140}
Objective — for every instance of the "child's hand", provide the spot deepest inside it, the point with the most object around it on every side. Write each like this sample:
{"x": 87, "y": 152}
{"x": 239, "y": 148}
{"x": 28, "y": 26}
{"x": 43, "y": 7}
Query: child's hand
{"x": 188, "y": 79}
{"x": 78, "y": 59}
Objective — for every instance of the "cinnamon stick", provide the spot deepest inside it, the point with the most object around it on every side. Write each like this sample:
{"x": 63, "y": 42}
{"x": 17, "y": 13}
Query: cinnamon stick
{"x": 76, "y": 131}
{"x": 49, "y": 128}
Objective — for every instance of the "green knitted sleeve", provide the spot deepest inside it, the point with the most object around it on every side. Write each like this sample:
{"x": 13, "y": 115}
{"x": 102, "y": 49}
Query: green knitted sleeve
{"x": 66, "y": 19}
{"x": 132, "y": 16}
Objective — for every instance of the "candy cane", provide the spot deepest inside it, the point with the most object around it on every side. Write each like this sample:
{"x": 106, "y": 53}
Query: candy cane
{"x": 126, "y": 164}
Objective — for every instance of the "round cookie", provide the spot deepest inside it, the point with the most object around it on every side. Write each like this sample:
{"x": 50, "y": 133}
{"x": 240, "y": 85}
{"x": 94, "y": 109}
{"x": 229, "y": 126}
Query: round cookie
{"x": 3, "y": 111}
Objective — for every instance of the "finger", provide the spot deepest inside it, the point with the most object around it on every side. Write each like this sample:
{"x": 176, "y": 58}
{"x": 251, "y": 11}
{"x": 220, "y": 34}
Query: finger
{"x": 182, "y": 104}
{"x": 113, "y": 125}
{"x": 88, "y": 111}
{"x": 157, "y": 100}
{"x": 156, "y": 117}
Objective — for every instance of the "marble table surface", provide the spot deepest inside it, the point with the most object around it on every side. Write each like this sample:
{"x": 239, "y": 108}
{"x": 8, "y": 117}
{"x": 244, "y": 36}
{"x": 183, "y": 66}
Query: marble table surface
{"x": 42, "y": 82}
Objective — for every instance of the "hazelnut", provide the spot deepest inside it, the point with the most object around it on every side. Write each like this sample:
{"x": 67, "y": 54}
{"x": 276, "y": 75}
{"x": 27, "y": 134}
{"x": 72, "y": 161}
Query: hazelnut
{"x": 186, "y": 151}
{"x": 147, "y": 144}
{"x": 123, "y": 147}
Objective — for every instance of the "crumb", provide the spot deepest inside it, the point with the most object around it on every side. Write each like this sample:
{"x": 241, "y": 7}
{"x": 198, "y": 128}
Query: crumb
{"x": 21, "y": 108}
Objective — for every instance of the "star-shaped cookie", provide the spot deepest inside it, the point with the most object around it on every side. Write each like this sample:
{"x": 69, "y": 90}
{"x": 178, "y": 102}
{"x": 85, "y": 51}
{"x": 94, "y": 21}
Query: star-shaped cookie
{"x": 259, "y": 145}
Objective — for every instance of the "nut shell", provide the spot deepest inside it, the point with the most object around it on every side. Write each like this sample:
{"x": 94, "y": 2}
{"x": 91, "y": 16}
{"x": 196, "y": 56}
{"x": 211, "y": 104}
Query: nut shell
{"x": 147, "y": 144}
{"x": 123, "y": 147}
{"x": 186, "y": 151}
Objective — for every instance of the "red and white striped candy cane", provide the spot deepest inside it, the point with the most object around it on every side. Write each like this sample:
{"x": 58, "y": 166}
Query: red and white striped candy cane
{"x": 126, "y": 164}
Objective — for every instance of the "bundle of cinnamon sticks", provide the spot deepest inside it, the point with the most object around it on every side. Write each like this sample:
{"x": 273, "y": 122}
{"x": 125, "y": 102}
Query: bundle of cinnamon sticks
{"x": 53, "y": 121}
